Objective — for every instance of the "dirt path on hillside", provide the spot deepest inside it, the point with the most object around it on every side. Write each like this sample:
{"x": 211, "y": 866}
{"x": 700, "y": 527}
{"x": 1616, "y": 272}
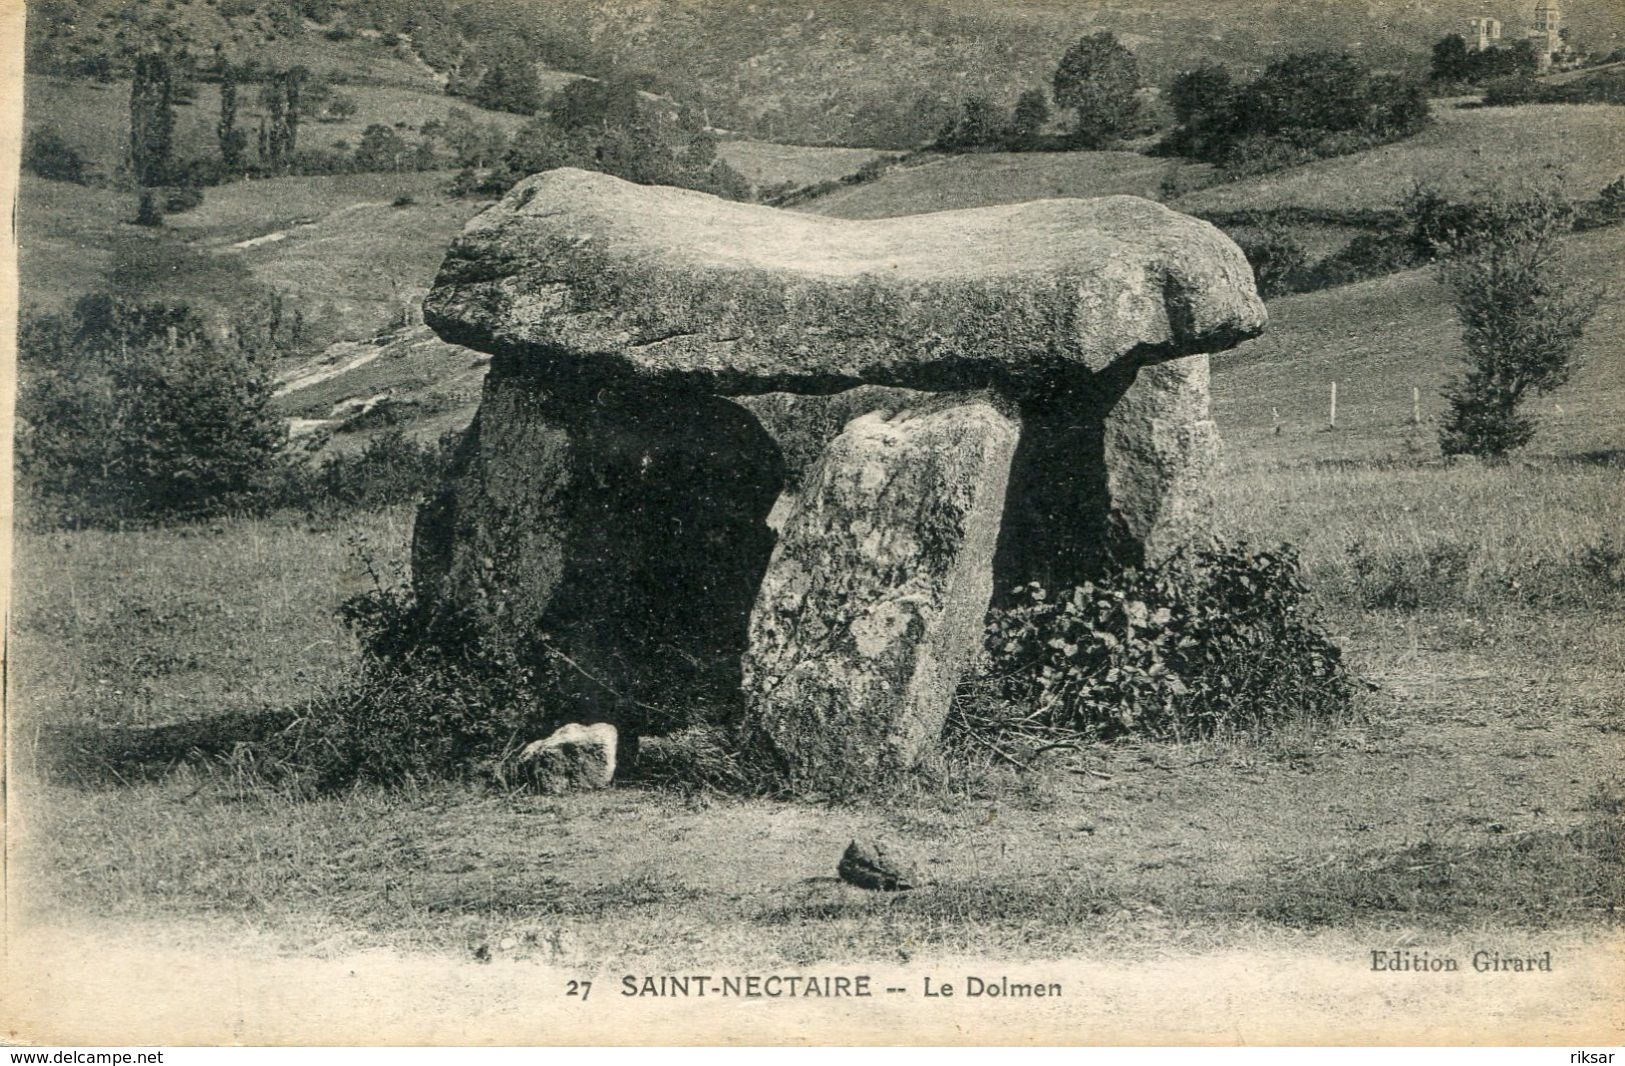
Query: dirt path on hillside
{"x": 89, "y": 985}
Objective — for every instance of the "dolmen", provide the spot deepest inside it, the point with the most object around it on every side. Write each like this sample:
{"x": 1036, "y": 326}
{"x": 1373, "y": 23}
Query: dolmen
{"x": 734, "y": 456}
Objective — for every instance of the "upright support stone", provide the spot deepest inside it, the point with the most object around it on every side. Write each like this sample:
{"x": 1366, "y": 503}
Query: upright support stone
{"x": 1161, "y": 449}
{"x": 625, "y": 527}
{"x": 876, "y": 594}
{"x": 1057, "y": 519}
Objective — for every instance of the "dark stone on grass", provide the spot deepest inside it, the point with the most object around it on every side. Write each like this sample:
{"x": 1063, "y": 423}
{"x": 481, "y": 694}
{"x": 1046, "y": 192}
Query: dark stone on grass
{"x": 879, "y": 866}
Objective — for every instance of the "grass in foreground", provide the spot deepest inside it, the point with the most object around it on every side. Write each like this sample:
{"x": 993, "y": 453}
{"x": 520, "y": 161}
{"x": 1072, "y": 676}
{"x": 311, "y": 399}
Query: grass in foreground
{"x": 1468, "y": 792}
{"x": 1477, "y": 788}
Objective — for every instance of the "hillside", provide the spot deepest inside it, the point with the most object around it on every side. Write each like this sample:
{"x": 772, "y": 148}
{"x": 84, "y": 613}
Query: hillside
{"x": 1380, "y": 338}
{"x": 1377, "y": 340}
{"x": 946, "y": 183}
{"x": 1465, "y": 151}
{"x": 804, "y": 71}
{"x": 94, "y": 116}
{"x": 345, "y": 251}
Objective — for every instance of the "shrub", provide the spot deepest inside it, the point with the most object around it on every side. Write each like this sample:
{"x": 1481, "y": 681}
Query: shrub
{"x": 1610, "y": 205}
{"x": 47, "y": 154}
{"x": 137, "y": 411}
{"x": 1435, "y": 576}
{"x": 391, "y": 468}
{"x": 1509, "y": 92}
{"x": 1368, "y": 255}
{"x": 1520, "y": 318}
{"x": 1305, "y": 106}
{"x": 979, "y": 124}
{"x": 1279, "y": 262}
{"x": 426, "y": 701}
{"x": 182, "y": 198}
{"x": 1208, "y": 641}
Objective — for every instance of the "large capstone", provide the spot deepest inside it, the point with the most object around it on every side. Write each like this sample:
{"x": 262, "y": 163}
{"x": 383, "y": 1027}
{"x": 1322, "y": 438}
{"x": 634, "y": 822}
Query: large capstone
{"x": 591, "y": 277}
{"x": 876, "y": 594}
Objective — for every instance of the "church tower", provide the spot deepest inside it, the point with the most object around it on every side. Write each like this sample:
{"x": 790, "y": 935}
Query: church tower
{"x": 1547, "y": 31}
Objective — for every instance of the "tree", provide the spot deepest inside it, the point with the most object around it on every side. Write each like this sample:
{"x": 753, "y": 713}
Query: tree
{"x": 509, "y": 82}
{"x": 138, "y": 410}
{"x": 1309, "y": 92}
{"x": 152, "y": 120}
{"x": 1520, "y": 321}
{"x": 1451, "y": 60}
{"x": 232, "y": 140}
{"x": 281, "y": 96}
{"x": 381, "y": 148}
{"x": 1525, "y": 57}
{"x": 1199, "y": 92}
{"x": 978, "y": 125}
{"x": 1098, "y": 78}
{"x": 47, "y": 154}
{"x": 596, "y": 105}
{"x": 1028, "y": 118}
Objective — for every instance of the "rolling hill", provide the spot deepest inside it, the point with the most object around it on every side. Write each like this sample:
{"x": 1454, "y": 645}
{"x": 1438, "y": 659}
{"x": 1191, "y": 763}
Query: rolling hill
{"x": 852, "y": 72}
{"x": 1466, "y": 151}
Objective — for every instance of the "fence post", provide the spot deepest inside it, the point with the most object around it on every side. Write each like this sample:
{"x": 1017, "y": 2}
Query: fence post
{"x": 1333, "y": 422}
{"x": 1416, "y": 406}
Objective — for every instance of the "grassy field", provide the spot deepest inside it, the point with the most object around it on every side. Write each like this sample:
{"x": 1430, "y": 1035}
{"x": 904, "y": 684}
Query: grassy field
{"x": 979, "y": 179}
{"x": 346, "y": 251}
{"x": 1477, "y": 792}
{"x": 1464, "y": 153}
{"x": 766, "y": 165}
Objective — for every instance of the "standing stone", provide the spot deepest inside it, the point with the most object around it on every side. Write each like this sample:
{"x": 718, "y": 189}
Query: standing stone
{"x": 611, "y": 538}
{"x": 575, "y": 758}
{"x": 875, "y": 597}
{"x": 1161, "y": 449}
{"x": 1057, "y": 519}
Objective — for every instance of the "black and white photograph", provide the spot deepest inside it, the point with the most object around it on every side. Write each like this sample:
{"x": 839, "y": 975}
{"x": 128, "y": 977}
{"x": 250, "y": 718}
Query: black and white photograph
{"x": 814, "y": 522}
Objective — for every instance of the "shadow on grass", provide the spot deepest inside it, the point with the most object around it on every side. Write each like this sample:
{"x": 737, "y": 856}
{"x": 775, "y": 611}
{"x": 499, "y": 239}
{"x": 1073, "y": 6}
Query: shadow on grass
{"x": 1609, "y": 457}
{"x": 87, "y": 754}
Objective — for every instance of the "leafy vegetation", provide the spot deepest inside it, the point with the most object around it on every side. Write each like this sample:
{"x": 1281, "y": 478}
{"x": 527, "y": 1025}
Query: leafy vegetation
{"x": 1455, "y": 65}
{"x": 47, "y": 154}
{"x": 980, "y": 125}
{"x": 1303, "y": 107}
{"x": 1098, "y": 79}
{"x": 1520, "y": 317}
{"x": 132, "y": 412}
{"x": 1601, "y": 87}
{"x": 1212, "y": 640}
{"x": 605, "y": 126}
{"x": 428, "y": 700}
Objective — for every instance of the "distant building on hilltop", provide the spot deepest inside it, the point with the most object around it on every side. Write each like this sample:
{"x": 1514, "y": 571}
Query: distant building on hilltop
{"x": 1484, "y": 34}
{"x": 1546, "y": 33}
